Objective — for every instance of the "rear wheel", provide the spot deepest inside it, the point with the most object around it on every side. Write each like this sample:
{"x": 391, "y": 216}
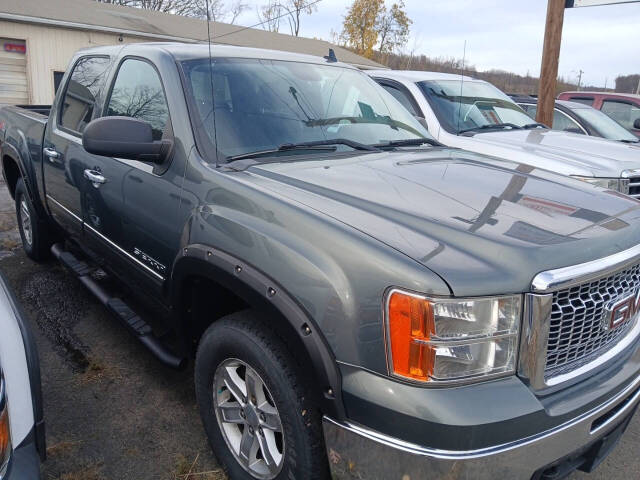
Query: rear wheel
{"x": 257, "y": 410}
{"x": 36, "y": 238}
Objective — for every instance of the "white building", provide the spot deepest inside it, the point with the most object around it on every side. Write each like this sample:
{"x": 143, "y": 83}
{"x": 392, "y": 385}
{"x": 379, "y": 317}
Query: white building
{"x": 38, "y": 38}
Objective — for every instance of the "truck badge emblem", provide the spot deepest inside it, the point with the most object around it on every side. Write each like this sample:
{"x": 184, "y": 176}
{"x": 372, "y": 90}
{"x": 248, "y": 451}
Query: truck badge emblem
{"x": 618, "y": 311}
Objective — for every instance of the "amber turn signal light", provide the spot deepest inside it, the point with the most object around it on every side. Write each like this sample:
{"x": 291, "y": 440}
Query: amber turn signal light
{"x": 4, "y": 434}
{"x": 410, "y": 326}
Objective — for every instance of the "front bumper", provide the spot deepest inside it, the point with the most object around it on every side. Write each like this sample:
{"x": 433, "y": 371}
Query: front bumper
{"x": 357, "y": 452}
{"x": 24, "y": 463}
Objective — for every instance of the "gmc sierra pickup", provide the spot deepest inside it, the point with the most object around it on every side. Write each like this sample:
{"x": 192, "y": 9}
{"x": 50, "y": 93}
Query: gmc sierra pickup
{"x": 360, "y": 300}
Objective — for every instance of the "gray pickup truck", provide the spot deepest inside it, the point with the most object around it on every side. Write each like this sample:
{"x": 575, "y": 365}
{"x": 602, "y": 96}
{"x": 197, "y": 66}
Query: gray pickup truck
{"x": 360, "y": 300}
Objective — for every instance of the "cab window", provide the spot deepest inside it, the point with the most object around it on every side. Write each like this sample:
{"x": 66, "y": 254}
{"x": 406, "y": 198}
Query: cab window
{"x": 84, "y": 86}
{"x": 402, "y": 98}
{"x": 622, "y": 112}
{"x": 137, "y": 92}
{"x": 583, "y": 100}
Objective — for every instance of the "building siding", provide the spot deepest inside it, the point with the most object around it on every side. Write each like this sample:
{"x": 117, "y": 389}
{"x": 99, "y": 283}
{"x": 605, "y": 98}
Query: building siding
{"x": 50, "y": 49}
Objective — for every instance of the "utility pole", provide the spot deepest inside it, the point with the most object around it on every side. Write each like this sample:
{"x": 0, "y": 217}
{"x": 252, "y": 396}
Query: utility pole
{"x": 550, "y": 57}
{"x": 638, "y": 89}
{"x": 580, "y": 72}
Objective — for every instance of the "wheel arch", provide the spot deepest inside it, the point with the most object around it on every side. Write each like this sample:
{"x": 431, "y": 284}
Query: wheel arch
{"x": 261, "y": 293}
{"x": 12, "y": 171}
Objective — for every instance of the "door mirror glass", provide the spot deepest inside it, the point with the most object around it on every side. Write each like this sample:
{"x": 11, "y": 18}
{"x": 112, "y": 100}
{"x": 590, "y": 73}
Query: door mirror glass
{"x": 124, "y": 137}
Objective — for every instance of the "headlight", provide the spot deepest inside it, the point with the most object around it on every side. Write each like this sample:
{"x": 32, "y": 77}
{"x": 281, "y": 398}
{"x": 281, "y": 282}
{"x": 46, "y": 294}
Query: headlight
{"x": 617, "y": 184}
{"x": 5, "y": 434}
{"x": 440, "y": 340}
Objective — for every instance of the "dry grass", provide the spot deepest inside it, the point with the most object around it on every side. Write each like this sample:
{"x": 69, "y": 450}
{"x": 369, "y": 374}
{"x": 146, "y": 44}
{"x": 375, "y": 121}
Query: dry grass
{"x": 97, "y": 371}
{"x": 61, "y": 448}
{"x": 186, "y": 469}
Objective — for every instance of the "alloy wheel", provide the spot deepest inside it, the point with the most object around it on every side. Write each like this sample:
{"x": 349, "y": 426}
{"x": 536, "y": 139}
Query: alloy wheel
{"x": 25, "y": 221}
{"x": 248, "y": 418}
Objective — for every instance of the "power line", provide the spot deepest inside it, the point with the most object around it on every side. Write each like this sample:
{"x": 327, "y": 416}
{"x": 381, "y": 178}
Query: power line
{"x": 265, "y": 21}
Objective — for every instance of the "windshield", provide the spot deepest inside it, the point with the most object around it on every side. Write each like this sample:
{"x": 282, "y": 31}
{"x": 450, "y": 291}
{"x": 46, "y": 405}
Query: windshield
{"x": 605, "y": 126}
{"x": 466, "y": 105}
{"x": 261, "y": 105}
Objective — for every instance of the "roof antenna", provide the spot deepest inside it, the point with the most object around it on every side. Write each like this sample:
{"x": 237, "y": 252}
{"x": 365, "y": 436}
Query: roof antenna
{"x": 464, "y": 54}
{"x": 331, "y": 57}
{"x": 213, "y": 101}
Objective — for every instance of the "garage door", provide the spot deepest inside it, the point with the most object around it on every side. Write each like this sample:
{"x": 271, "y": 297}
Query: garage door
{"x": 13, "y": 71}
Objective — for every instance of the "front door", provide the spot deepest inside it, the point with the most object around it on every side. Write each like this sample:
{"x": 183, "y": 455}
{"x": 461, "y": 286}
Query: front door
{"x": 64, "y": 156}
{"x": 128, "y": 205}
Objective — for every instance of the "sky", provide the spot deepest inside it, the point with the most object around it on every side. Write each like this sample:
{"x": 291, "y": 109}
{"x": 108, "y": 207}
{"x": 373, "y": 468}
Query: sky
{"x": 603, "y": 41}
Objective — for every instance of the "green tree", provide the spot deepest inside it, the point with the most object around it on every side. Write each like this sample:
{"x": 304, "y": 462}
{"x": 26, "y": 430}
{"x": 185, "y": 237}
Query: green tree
{"x": 359, "y": 27}
{"x": 369, "y": 24}
{"x": 393, "y": 28}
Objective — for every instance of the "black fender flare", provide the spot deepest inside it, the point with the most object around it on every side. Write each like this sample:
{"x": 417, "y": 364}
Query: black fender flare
{"x": 256, "y": 288}
{"x": 9, "y": 150}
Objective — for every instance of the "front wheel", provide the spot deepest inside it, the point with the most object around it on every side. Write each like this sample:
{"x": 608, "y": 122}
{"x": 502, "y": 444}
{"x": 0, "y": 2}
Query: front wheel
{"x": 256, "y": 408}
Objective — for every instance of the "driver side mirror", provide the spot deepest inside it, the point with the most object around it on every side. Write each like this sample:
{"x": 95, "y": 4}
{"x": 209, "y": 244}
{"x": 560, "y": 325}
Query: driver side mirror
{"x": 124, "y": 137}
{"x": 636, "y": 124}
{"x": 422, "y": 122}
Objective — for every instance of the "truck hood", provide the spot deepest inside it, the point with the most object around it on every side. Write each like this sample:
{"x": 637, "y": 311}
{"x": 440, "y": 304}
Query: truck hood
{"x": 484, "y": 225}
{"x": 562, "y": 152}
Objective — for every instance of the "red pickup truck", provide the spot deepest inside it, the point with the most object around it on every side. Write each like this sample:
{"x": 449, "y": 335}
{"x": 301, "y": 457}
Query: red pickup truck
{"x": 624, "y": 108}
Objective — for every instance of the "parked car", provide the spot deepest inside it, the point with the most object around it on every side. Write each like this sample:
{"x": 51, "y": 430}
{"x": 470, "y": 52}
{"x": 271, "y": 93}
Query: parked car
{"x": 624, "y": 108}
{"x": 358, "y": 297}
{"x": 579, "y": 118}
{"x": 22, "y": 441}
{"x": 484, "y": 120}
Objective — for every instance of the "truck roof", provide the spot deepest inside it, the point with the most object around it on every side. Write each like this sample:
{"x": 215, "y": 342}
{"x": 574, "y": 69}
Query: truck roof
{"x": 188, "y": 51}
{"x": 418, "y": 75}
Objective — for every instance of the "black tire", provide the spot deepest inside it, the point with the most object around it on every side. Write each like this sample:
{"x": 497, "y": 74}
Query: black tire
{"x": 243, "y": 337}
{"x": 36, "y": 243}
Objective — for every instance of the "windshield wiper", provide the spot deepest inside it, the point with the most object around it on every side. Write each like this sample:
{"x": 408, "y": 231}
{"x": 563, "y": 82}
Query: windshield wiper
{"x": 629, "y": 141}
{"x": 408, "y": 142}
{"x": 491, "y": 126}
{"x": 530, "y": 126}
{"x": 322, "y": 145}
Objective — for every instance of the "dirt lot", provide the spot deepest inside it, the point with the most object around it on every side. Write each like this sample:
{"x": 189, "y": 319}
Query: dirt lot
{"x": 114, "y": 412}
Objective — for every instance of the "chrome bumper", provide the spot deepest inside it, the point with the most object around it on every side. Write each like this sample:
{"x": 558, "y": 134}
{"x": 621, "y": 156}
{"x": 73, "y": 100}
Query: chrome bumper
{"x": 357, "y": 452}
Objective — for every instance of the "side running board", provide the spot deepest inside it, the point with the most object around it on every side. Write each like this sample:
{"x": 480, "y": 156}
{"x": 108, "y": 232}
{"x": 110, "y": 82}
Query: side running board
{"x": 132, "y": 321}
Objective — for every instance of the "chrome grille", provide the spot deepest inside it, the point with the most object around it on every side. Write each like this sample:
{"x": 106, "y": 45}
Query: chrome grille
{"x": 576, "y": 332}
{"x": 634, "y": 187}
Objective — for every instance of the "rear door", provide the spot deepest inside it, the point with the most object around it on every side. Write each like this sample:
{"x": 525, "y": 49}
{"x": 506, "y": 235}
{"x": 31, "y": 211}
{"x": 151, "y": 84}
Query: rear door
{"x": 64, "y": 156}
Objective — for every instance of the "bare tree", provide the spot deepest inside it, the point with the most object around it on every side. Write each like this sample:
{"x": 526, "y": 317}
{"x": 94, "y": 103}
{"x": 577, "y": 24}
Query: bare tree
{"x": 270, "y": 15}
{"x": 295, "y": 9}
{"x": 219, "y": 10}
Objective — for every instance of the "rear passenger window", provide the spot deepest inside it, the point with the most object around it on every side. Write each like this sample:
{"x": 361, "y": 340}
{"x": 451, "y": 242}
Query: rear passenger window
{"x": 85, "y": 84}
{"x": 137, "y": 92}
{"x": 584, "y": 100}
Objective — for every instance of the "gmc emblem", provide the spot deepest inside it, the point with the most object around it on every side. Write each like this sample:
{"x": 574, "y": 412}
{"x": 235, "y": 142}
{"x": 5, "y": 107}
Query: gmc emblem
{"x": 617, "y": 312}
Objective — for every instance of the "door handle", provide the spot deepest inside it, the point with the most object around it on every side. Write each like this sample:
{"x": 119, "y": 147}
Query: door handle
{"x": 95, "y": 177}
{"x": 51, "y": 153}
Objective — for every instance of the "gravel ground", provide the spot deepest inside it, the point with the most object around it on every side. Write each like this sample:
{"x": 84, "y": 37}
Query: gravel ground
{"x": 112, "y": 411}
